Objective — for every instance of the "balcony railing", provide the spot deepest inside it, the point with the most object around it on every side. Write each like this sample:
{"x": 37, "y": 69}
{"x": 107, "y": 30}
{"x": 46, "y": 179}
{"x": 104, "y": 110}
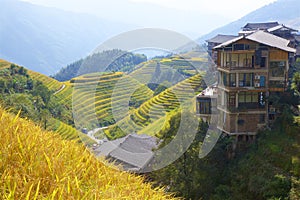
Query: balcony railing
{"x": 233, "y": 65}
{"x": 243, "y": 107}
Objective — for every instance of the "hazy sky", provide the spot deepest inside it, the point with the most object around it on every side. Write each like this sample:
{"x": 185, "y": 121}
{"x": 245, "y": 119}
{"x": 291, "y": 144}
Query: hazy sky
{"x": 192, "y": 17}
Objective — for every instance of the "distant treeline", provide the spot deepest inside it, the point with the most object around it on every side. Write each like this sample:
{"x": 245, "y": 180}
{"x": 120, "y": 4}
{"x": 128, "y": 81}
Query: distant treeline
{"x": 110, "y": 60}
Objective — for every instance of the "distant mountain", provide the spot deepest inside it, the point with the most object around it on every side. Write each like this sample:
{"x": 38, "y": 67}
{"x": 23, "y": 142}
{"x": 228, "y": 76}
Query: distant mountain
{"x": 46, "y": 39}
{"x": 284, "y": 11}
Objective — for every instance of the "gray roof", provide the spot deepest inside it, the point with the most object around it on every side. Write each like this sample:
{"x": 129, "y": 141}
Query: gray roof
{"x": 108, "y": 146}
{"x": 221, "y": 38}
{"x": 133, "y": 150}
{"x": 138, "y": 160}
{"x": 263, "y": 38}
{"x": 259, "y": 26}
{"x": 281, "y": 26}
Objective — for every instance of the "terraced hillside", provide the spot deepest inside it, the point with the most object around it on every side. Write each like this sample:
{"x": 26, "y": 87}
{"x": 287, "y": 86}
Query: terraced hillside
{"x": 92, "y": 98}
{"x": 171, "y": 69}
{"x": 37, "y": 164}
{"x": 51, "y": 83}
{"x": 152, "y": 112}
{"x": 94, "y": 94}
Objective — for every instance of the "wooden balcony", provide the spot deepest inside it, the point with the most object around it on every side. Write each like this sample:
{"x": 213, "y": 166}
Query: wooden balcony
{"x": 244, "y": 107}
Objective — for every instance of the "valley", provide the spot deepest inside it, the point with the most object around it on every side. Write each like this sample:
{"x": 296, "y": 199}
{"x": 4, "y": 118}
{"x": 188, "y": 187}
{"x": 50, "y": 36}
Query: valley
{"x": 214, "y": 119}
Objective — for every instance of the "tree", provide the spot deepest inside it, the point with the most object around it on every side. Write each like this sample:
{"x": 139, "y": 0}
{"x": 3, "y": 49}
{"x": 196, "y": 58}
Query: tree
{"x": 44, "y": 116}
{"x": 42, "y": 91}
{"x": 189, "y": 176}
{"x": 296, "y": 83}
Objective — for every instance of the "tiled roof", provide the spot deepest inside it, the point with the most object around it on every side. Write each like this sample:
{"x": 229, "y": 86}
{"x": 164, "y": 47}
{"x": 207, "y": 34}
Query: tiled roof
{"x": 229, "y": 42}
{"x": 133, "y": 150}
{"x": 271, "y": 40}
{"x": 281, "y": 26}
{"x": 221, "y": 38}
{"x": 260, "y": 26}
{"x": 263, "y": 38}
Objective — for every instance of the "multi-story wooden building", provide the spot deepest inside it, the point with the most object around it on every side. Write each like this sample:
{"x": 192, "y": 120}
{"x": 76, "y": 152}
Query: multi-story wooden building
{"x": 251, "y": 68}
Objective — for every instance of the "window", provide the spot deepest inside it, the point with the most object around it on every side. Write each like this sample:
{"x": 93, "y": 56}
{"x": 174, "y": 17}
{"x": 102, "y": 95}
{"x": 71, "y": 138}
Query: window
{"x": 232, "y": 99}
{"x": 205, "y": 106}
{"x": 277, "y": 68}
{"x": 242, "y": 97}
{"x": 232, "y": 80}
{"x": 237, "y": 47}
{"x": 263, "y": 62}
{"x": 225, "y": 79}
{"x": 258, "y": 57}
{"x": 247, "y": 62}
{"x": 246, "y": 80}
{"x": 251, "y": 99}
{"x": 248, "y": 97}
{"x": 241, "y": 122}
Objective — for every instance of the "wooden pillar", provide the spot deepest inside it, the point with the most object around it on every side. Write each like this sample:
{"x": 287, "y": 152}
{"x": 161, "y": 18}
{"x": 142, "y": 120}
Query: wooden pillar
{"x": 237, "y": 100}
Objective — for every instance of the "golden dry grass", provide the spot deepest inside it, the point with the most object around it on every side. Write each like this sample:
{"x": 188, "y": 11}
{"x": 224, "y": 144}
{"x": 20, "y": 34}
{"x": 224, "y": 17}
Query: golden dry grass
{"x": 36, "y": 164}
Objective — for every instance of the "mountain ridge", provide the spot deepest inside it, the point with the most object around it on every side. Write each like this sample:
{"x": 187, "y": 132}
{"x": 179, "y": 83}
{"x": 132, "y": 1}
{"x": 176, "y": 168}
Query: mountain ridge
{"x": 46, "y": 39}
{"x": 284, "y": 11}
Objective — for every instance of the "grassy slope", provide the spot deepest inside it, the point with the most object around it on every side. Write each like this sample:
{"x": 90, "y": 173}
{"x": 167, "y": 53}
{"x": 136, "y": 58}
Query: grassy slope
{"x": 269, "y": 170}
{"x": 36, "y": 164}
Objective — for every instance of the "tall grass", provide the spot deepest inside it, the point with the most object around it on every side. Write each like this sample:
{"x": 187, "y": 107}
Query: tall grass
{"x": 35, "y": 164}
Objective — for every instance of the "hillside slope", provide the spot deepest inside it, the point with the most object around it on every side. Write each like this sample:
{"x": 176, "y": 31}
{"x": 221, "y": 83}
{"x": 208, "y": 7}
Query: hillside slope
{"x": 40, "y": 98}
{"x": 39, "y": 165}
{"x": 284, "y": 11}
{"x": 110, "y": 60}
{"x": 152, "y": 114}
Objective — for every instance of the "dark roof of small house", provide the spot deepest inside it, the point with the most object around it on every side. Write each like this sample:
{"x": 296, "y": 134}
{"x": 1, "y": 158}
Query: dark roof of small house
{"x": 133, "y": 150}
{"x": 221, "y": 38}
{"x": 137, "y": 160}
{"x": 281, "y": 27}
{"x": 259, "y": 26}
{"x": 265, "y": 38}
